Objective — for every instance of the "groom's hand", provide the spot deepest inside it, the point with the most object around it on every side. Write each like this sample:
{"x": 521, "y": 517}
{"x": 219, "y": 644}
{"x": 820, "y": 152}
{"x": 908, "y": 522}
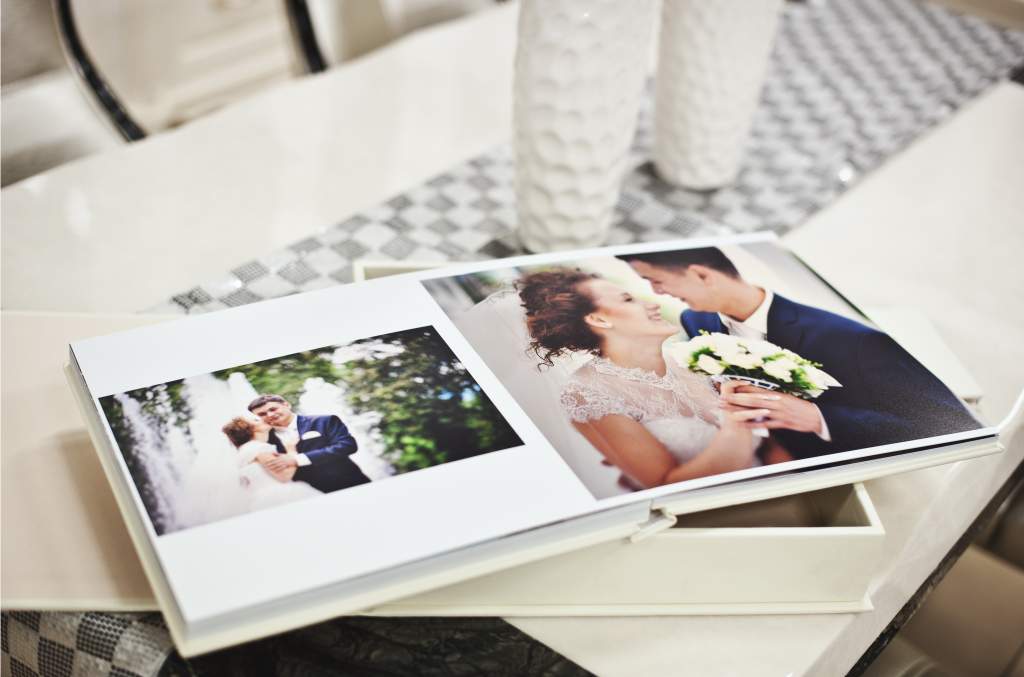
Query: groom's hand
{"x": 276, "y": 463}
{"x": 785, "y": 412}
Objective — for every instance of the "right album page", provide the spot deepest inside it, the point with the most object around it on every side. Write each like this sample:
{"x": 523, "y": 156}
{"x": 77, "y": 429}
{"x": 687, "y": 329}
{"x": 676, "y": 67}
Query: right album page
{"x": 647, "y": 369}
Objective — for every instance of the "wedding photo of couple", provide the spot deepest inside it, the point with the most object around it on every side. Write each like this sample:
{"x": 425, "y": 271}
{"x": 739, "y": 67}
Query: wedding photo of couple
{"x": 654, "y": 368}
{"x": 296, "y": 427}
{"x": 283, "y": 456}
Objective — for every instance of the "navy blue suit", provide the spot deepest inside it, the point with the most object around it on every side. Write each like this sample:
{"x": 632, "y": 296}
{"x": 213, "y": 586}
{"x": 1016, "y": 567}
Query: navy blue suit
{"x": 331, "y": 467}
{"x": 887, "y": 395}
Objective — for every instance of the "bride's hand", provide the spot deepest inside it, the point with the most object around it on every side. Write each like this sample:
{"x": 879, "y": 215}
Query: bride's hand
{"x": 736, "y": 430}
{"x": 737, "y": 418}
{"x": 279, "y": 463}
{"x": 735, "y": 446}
{"x": 272, "y": 463}
{"x": 741, "y": 420}
{"x": 783, "y": 410}
{"x": 732, "y": 448}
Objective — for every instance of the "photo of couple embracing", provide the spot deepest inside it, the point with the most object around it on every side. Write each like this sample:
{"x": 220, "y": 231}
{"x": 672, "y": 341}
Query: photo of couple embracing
{"x": 284, "y": 456}
{"x": 604, "y": 337}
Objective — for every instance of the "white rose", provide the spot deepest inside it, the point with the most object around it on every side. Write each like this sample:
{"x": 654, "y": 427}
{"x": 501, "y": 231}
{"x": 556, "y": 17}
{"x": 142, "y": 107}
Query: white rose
{"x": 742, "y": 360}
{"x": 780, "y": 368}
{"x": 724, "y": 343}
{"x": 761, "y": 348}
{"x": 710, "y": 365}
{"x": 700, "y": 341}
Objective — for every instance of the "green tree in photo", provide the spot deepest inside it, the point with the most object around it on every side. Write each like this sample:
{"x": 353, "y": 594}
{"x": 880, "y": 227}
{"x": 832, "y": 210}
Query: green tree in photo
{"x": 286, "y": 376}
{"x": 432, "y": 410}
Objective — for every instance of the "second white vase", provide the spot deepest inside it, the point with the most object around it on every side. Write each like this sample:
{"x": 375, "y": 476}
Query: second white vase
{"x": 713, "y": 56}
{"x": 581, "y": 66}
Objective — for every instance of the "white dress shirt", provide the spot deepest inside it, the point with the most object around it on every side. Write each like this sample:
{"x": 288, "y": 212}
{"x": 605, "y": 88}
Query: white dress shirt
{"x": 756, "y": 327}
{"x": 289, "y": 434}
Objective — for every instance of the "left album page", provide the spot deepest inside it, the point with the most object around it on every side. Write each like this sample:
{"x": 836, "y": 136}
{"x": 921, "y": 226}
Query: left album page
{"x": 276, "y": 449}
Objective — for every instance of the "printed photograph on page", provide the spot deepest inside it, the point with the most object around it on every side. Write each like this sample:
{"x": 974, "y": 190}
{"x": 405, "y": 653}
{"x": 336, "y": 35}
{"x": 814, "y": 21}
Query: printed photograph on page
{"x": 645, "y": 370}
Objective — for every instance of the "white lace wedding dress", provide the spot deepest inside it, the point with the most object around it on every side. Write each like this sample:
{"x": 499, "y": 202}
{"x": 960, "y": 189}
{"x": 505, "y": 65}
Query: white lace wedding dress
{"x": 263, "y": 489}
{"x": 680, "y": 409}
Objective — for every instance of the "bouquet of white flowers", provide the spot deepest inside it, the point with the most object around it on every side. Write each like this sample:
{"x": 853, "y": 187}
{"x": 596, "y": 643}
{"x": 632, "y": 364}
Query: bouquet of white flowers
{"x": 730, "y": 358}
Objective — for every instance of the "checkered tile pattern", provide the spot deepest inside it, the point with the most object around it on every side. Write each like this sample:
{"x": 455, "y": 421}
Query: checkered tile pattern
{"x": 850, "y": 84}
{"x": 72, "y": 645}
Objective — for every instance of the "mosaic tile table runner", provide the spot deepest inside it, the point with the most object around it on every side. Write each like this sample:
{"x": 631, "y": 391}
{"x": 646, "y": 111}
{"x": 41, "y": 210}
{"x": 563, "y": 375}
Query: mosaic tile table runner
{"x": 850, "y": 84}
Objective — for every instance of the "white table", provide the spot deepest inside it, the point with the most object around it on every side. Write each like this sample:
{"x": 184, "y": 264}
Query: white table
{"x": 938, "y": 227}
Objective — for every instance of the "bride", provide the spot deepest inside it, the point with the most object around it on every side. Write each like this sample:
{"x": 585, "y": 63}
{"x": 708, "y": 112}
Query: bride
{"x": 265, "y": 488}
{"x": 657, "y": 422}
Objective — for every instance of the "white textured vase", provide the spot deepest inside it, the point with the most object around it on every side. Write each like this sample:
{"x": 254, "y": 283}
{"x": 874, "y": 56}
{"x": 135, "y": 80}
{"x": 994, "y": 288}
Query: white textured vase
{"x": 713, "y": 55}
{"x": 580, "y": 72}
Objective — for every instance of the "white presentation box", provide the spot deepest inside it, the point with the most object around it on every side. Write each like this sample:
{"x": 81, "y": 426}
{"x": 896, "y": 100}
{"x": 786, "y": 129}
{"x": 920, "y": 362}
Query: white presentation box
{"x": 807, "y": 553}
{"x": 367, "y": 269}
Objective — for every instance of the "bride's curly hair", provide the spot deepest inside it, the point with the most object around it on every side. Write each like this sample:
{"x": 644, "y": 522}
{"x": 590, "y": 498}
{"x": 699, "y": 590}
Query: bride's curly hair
{"x": 238, "y": 430}
{"x": 555, "y": 308}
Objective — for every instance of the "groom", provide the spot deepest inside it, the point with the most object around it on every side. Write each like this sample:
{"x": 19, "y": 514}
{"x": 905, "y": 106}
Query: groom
{"x": 886, "y": 395}
{"x": 323, "y": 444}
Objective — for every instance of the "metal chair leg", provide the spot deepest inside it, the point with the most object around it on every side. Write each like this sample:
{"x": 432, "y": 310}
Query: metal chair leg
{"x": 305, "y": 35}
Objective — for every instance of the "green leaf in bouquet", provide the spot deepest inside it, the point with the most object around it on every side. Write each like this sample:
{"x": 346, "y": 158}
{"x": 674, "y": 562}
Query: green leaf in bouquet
{"x": 695, "y": 355}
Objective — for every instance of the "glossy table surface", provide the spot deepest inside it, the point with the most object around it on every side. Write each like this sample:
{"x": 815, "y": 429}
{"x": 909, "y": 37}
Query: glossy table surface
{"x": 122, "y": 230}
{"x": 939, "y": 227}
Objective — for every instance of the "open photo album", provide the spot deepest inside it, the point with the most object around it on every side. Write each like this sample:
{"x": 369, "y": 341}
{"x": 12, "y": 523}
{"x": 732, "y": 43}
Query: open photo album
{"x": 285, "y": 462}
